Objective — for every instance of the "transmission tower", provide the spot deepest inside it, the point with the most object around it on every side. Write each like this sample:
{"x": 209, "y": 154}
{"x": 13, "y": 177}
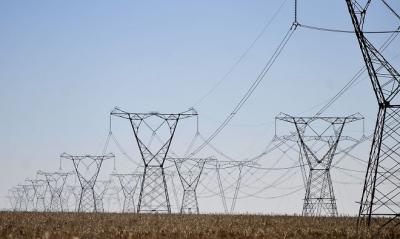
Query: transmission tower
{"x": 87, "y": 168}
{"x": 381, "y": 192}
{"x": 153, "y": 195}
{"x": 236, "y": 166}
{"x": 30, "y": 196}
{"x": 40, "y": 188}
{"x": 318, "y": 139}
{"x": 55, "y": 182}
{"x": 128, "y": 183}
{"x": 101, "y": 188}
{"x": 189, "y": 172}
{"x": 17, "y": 198}
{"x": 75, "y": 192}
{"x": 11, "y": 201}
{"x": 112, "y": 198}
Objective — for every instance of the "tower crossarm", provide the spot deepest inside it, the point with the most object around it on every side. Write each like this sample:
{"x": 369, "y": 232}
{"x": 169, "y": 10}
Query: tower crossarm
{"x": 88, "y": 161}
{"x": 55, "y": 180}
{"x": 153, "y": 156}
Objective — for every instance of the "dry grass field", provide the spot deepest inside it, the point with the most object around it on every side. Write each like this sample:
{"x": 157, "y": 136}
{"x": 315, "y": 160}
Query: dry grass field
{"x": 72, "y": 225}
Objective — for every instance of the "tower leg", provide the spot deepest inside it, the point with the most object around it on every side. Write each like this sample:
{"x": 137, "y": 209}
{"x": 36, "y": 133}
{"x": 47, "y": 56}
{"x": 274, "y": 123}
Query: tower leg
{"x": 319, "y": 199}
{"x": 381, "y": 191}
{"x": 87, "y": 202}
{"x": 189, "y": 202}
{"x": 153, "y": 193}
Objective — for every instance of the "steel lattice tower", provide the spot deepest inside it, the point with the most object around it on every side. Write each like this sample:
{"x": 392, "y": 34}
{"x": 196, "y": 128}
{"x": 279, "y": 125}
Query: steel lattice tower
{"x": 153, "y": 195}
{"x": 87, "y": 168}
{"x": 30, "y": 195}
{"x": 101, "y": 188}
{"x": 18, "y": 197}
{"x": 55, "y": 182}
{"x": 12, "y": 197}
{"x": 112, "y": 198}
{"x": 223, "y": 165}
{"x": 189, "y": 172}
{"x": 40, "y": 188}
{"x": 128, "y": 183}
{"x": 318, "y": 138}
{"x": 74, "y": 191}
{"x": 381, "y": 192}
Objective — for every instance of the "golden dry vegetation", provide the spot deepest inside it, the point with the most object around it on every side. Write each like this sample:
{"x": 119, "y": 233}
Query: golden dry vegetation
{"x": 89, "y": 225}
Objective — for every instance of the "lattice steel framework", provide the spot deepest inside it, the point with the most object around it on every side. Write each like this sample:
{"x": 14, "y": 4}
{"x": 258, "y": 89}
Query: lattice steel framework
{"x": 87, "y": 168}
{"x": 153, "y": 195}
{"x": 55, "y": 182}
{"x": 318, "y": 138}
{"x": 381, "y": 192}
{"x": 101, "y": 188}
{"x": 236, "y": 166}
{"x": 113, "y": 199}
{"x": 189, "y": 172}
{"x": 12, "y": 199}
{"x": 128, "y": 183}
{"x": 17, "y": 198}
{"x": 40, "y": 189}
{"x": 75, "y": 192}
{"x": 30, "y": 195}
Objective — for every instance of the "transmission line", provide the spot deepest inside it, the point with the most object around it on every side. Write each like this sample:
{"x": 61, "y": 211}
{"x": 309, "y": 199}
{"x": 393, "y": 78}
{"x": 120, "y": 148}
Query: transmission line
{"x": 250, "y": 91}
{"x": 242, "y": 56}
{"x": 344, "y": 31}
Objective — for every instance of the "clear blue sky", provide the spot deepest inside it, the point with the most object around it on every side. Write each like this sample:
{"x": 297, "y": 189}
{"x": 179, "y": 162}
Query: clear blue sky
{"x": 65, "y": 65}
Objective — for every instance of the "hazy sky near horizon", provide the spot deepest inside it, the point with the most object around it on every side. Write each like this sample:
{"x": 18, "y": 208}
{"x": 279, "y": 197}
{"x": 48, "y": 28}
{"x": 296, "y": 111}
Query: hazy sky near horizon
{"x": 65, "y": 65}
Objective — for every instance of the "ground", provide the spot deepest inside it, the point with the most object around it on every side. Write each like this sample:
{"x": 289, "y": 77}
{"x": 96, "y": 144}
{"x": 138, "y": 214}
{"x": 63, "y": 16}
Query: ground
{"x": 109, "y": 225}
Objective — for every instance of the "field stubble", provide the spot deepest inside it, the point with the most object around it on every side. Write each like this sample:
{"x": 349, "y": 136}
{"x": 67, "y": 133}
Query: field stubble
{"x": 109, "y": 225}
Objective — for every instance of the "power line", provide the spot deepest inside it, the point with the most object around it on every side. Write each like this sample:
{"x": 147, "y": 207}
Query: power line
{"x": 250, "y": 91}
{"x": 391, "y": 9}
{"x": 344, "y": 31}
{"x": 242, "y": 56}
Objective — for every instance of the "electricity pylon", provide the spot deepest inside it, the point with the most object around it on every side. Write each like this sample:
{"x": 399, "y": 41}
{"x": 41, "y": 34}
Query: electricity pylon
{"x": 189, "y": 172}
{"x": 11, "y": 196}
{"x": 55, "y": 182}
{"x": 381, "y": 192}
{"x": 112, "y": 198}
{"x": 128, "y": 183}
{"x": 30, "y": 196}
{"x": 17, "y": 195}
{"x": 75, "y": 192}
{"x": 236, "y": 167}
{"x": 153, "y": 195}
{"x": 87, "y": 168}
{"x": 318, "y": 139}
{"x": 40, "y": 189}
{"x": 101, "y": 188}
